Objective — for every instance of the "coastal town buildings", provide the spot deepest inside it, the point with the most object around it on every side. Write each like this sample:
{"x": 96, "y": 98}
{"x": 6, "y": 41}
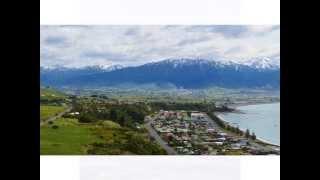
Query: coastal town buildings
{"x": 192, "y": 133}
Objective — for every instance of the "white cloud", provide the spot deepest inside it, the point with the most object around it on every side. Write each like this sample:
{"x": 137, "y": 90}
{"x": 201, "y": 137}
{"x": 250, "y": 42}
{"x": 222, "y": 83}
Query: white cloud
{"x": 76, "y": 46}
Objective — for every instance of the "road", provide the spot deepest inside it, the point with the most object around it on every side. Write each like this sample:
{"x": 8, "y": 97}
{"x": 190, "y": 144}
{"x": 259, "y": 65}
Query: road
{"x": 56, "y": 116}
{"x": 161, "y": 142}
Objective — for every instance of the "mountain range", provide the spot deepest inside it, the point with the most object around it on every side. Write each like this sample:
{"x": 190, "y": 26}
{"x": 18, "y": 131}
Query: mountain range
{"x": 181, "y": 73}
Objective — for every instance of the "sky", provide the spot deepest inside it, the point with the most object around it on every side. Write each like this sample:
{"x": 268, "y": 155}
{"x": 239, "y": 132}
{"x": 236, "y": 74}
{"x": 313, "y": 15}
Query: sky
{"x": 80, "y": 46}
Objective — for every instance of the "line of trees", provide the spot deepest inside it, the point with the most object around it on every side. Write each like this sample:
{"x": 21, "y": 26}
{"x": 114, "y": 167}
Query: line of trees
{"x": 196, "y": 106}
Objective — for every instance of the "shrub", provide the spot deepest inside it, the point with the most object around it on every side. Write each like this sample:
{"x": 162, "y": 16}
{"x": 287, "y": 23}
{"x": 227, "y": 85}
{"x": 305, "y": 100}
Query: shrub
{"x": 253, "y": 136}
{"x": 247, "y": 133}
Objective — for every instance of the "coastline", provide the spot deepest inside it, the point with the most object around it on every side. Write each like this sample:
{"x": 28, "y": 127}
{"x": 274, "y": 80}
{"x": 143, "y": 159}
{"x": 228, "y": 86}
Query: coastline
{"x": 260, "y": 140}
{"x": 236, "y": 105}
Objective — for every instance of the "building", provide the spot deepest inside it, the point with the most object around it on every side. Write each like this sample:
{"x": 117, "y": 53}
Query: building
{"x": 196, "y": 116}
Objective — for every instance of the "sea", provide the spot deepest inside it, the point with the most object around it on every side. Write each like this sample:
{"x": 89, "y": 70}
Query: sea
{"x": 262, "y": 119}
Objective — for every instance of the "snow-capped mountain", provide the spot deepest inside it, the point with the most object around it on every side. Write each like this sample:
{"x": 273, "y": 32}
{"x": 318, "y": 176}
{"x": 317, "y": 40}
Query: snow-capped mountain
{"x": 183, "y": 72}
{"x": 113, "y": 67}
{"x": 95, "y": 68}
{"x": 257, "y": 62}
{"x": 263, "y": 62}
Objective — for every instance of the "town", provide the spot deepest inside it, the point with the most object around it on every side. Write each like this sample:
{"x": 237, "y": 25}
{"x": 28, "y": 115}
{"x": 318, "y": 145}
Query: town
{"x": 195, "y": 133}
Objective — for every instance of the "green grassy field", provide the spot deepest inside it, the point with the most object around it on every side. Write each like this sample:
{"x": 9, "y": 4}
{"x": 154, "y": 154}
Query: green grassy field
{"x": 69, "y": 138}
{"x": 47, "y": 111}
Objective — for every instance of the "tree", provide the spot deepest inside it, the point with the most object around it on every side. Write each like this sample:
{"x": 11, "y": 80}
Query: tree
{"x": 113, "y": 115}
{"x": 241, "y": 133}
{"x": 247, "y": 134}
{"x": 238, "y": 131}
{"x": 253, "y": 136}
{"x": 86, "y": 118}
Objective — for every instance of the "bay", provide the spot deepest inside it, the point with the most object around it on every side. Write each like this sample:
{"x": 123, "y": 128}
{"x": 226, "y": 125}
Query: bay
{"x": 262, "y": 119}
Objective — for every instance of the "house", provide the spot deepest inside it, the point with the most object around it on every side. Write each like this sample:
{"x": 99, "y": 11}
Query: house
{"x": 210, "y": 130}
{"x": 182, "y": 130}
{"x": 218, "y": 143}
{"x": 236, "y": 146}
{"x": 163, "y": 130}
{"x": 74, "y": 113}
{"x": 221, "y": 139}
{"x": 222, "y": 134}
{"x": 243, "y": 142}
{"x": 195, "y": 116}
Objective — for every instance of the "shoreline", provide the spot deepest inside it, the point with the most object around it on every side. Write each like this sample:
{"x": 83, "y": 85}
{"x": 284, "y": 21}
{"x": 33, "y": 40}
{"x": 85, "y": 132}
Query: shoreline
{"x": 263, "y": 141}
{"x": 236, "y": 105}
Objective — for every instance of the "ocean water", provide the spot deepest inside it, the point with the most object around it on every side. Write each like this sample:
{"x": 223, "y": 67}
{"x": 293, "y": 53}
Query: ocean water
{"x": 262, "y": 119}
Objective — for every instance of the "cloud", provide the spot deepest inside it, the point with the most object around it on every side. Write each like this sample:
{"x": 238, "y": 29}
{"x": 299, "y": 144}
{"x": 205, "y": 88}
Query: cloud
{"x": 77, "y": 46}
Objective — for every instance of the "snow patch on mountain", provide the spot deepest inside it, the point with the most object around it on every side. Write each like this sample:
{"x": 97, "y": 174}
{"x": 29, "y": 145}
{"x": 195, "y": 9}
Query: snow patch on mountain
{"x": 257, "y": 62}
{"x": 263, "y": 62}
{"x": 96, "y": 68}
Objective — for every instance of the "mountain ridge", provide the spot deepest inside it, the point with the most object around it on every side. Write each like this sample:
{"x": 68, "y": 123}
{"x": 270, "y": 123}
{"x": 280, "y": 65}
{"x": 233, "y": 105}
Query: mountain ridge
{"x": 183, "y": 72}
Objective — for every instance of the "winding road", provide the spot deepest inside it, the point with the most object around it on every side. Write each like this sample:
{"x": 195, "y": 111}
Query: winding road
{"x": 56, "y": 116}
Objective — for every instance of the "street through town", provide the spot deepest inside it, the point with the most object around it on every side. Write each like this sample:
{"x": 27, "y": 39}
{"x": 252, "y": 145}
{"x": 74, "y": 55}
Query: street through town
{"x": 160, "y": 141}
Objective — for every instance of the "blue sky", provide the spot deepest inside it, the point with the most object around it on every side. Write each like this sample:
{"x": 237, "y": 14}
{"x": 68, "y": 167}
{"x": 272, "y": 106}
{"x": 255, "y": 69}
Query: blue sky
{"x": 79, "y": 46}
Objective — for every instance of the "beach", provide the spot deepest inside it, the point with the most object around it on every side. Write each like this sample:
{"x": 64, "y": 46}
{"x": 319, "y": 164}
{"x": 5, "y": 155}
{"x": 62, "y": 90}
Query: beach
{"x": 262, "y": 119}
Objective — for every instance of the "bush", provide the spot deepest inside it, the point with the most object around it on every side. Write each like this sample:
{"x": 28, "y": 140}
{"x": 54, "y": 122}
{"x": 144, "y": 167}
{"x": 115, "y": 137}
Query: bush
{"x": 55, "y": 127}
{"x": 247, "y": 133}
{"x": 253, "y": 136}
{"x": 86, "y": 118}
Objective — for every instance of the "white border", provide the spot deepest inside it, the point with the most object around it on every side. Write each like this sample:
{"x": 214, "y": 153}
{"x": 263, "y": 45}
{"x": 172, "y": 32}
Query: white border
{"x": 160, "y": 12}
{"x": 59, "y": 168}
{"x": 73, "y": 167}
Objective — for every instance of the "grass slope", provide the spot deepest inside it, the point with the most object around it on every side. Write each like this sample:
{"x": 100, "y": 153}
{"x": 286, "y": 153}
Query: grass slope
{"x": 70, "y": 138}
{"x": 67, "y": 136}
{"x": 47, "y": 111}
